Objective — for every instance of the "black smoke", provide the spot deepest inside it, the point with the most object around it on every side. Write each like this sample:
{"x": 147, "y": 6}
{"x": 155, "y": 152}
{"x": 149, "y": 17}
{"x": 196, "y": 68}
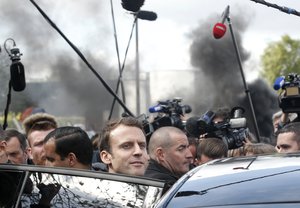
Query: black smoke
{"x": 67, "y": 87}
{"x": 219, "y": 81}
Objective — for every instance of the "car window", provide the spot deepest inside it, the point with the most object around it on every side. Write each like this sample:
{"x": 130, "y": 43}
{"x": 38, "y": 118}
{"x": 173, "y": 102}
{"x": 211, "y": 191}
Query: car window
{"x": 10, "y": 184}
{"x": 74, "y": 191}
{"x": 34, "y": 186}
{"x": 263, "y": 187}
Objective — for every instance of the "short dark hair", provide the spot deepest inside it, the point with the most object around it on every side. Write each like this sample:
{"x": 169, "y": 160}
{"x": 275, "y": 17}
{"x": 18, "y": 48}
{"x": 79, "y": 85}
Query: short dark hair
{"x": 293, "y": 127}
{"x": 223, "y": 113}
{"x": 111, "y": 125}
{"x": 72, "y": 139}
{"x": 10, "y": 133}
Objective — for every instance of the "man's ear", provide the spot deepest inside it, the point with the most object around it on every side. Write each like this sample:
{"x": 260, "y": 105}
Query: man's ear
{"x": 105, "y": 157}
{"x": 29, "y": 152}
{"x": 2, "y": 145}
{"x": 159, "y": 152}
{"x": 72, "y": 159}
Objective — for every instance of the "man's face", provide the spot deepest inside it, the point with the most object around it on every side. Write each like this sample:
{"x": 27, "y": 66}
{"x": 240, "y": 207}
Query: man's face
{"x": 52, "y": 158}
{"x": 128, "y": 153}
{"x": 177, "y": 158}
{"x": 286, "y": 142}
{"x": 193, "y": 150}
{"x": 14, "y": 151}
{"x": 36, "y": 140}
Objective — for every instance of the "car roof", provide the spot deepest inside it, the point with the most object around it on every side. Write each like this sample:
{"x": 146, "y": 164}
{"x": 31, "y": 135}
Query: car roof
{"x": 241, "y": 181}
{"x": 232, "y": 165}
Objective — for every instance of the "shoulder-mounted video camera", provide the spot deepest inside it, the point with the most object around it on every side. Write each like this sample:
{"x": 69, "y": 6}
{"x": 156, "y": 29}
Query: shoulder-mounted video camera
{"x": 232, "y": 131}
{"x": 169, "y": 113}
{"x": 289, "y": 97}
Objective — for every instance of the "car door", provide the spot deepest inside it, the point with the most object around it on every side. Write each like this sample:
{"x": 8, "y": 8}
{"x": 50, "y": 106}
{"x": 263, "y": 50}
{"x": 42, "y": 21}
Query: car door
{"x": 32, "y": 186}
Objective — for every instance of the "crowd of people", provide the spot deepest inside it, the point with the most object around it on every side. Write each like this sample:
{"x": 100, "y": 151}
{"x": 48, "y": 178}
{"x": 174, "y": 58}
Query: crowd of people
{"x": 121, "y": 147}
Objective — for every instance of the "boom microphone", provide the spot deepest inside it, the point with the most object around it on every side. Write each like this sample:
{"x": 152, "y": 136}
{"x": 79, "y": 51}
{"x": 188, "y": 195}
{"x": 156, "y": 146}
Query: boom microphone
{"x": 219, "y": 29}
{"x": 146, "y": 15}
{"x": 132, "y": 5}
{"x": 17, "y": 73}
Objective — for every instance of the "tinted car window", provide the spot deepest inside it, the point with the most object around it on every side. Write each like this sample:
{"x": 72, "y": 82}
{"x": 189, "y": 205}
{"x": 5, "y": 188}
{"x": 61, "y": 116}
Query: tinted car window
{"x": 261, "y": 188}
{"x": 34, "y": 186}
{"x": 10, "y": 184}
{"x": 76, "y": 191}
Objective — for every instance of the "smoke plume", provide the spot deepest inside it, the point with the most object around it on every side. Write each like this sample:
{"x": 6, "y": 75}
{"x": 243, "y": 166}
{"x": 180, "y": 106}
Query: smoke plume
{"x": 219, "y": 81}
{"x": 67, "y": 87}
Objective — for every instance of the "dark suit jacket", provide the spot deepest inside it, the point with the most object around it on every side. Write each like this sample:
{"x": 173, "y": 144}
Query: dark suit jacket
{"x": 157, "y": 171}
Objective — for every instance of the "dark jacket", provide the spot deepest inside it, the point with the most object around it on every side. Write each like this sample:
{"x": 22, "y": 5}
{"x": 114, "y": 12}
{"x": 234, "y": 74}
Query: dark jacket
{"x": 156, "y": 170}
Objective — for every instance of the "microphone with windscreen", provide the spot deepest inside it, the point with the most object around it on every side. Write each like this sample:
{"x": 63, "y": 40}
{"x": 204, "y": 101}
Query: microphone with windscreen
{"x": 146, "y": 15}
{"x": 219, "y": 29}
{"x": 132, "y": 5}
{"x": 17, "y": 73}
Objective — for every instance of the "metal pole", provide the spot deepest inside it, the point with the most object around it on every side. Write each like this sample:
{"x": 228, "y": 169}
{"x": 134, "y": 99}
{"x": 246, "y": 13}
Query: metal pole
{"x": 244, "y": 81}
{"x": 137, "y": 72}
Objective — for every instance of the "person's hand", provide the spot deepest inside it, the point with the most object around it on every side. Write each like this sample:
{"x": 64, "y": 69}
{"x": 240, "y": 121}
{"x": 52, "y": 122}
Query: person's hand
{"x": 48, "y": 192}
{"x": 284, "y": 118}
{"x": 247, "y": 141}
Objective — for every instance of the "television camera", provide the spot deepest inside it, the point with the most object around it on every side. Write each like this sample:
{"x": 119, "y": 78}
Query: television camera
{"x": 289, "y": 97}
{"x": 169, "y": 113}
{"x": 232, "y": 131}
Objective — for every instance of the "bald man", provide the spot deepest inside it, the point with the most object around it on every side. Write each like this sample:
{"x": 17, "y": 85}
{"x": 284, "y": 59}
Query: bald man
{"x": 170, "y": 156}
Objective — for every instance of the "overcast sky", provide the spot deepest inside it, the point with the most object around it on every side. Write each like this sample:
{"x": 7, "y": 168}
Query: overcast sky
{"x": 176, "y": 18}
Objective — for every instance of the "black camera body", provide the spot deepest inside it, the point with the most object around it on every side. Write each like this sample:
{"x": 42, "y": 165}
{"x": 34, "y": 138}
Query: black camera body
{"x": 289, "y": 97}
{"x": 169, "y": 113}
{"x": 232, "y": 131}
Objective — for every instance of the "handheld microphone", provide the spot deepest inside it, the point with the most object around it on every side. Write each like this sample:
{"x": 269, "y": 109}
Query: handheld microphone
{"x": 17, "y": 73}
{"x": 219, "y": 29}
{"x": 279, "y": 82}
{"x": 146, "y": 15}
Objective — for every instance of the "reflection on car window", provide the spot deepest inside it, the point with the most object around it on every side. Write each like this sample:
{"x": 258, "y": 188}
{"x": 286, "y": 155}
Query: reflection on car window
{"x": 56, "y": 190}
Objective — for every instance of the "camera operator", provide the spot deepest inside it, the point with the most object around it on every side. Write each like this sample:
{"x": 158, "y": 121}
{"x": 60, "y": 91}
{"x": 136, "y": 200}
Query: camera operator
{"x": 289, "y": 98}
{"x": 229, "y": 127}
{"x": 168, "y": 113}
{"x": 221, "y": 114}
